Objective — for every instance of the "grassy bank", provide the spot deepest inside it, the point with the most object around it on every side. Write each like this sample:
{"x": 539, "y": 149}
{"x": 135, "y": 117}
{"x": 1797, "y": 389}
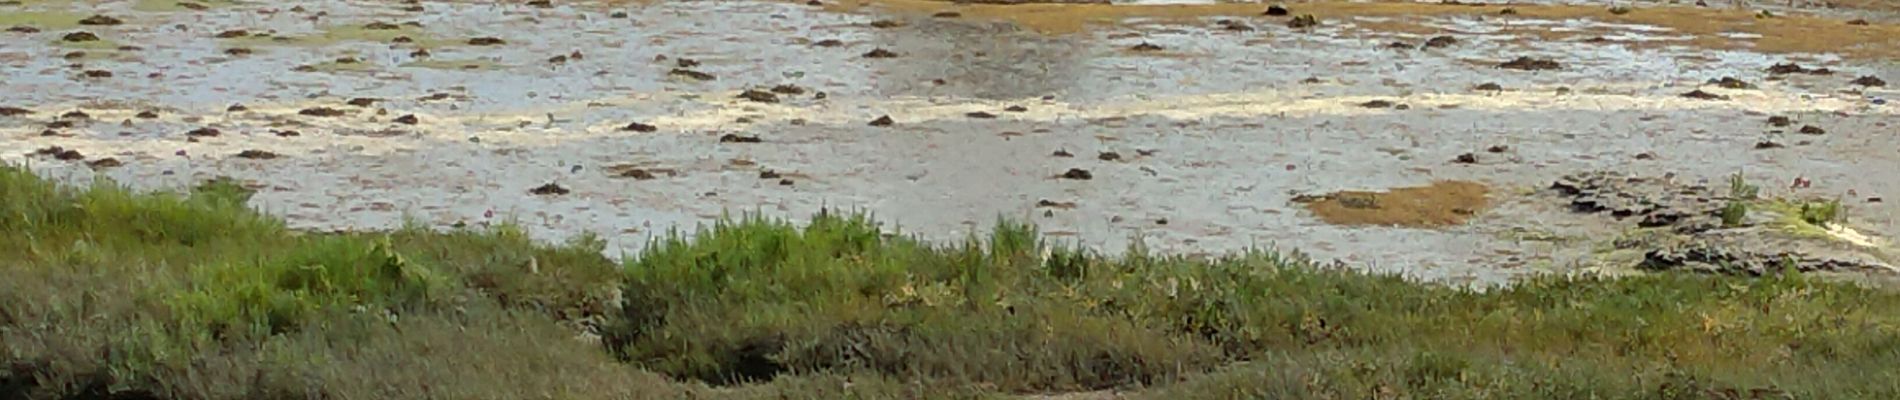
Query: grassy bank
{"x": 193, "y": 296}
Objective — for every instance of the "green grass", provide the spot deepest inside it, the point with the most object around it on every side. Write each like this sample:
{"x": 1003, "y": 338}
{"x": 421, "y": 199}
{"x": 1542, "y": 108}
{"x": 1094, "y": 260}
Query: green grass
{"x": 194, "y": 296}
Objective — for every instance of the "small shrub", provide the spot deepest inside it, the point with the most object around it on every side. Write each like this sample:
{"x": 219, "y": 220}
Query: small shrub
{"x": 1734, "y": 214}
{"x": 1740, "y": 189}
{"x": 1823, "y": 212}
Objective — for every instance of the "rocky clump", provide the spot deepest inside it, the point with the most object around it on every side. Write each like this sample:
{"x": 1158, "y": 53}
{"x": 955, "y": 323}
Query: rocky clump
{"x": 1869, "y": 81}
{"x": 639, "y": 127}
{"x": 1527, "y": 63}
{"x": 1792, "y": 68}
{"x": 321, "y": 112}
{"x": 1729, "y": 82}
{"x": 1698, "y": 94}
{"x": 100, "y": 20}
{"x": 691, "y": 74}
{"x": 81, "y": 36}
{"x": 1303, "y": 21}
{"x": 1694, "y": 227}
{"x": 758, "y": 96}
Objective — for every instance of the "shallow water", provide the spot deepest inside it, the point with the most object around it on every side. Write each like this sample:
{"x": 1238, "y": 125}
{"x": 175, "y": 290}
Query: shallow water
{"x": 1233, "y": 124}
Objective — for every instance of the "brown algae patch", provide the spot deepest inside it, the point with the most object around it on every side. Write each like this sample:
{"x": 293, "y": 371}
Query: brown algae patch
{"x": 1441, "y": 204}
{"x": 1781, "y": 34}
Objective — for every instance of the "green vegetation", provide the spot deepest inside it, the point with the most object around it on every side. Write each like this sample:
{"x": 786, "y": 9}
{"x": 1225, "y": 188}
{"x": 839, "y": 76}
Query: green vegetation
{"x": 193, "y": 296}
{"x": 1740, "y": 189}
{"x": 1734, "y": 213}
{"x": 1823, "y": 212}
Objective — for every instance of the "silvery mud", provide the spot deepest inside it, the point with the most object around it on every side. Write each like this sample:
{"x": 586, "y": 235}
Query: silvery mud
{"x": 1422, "y": 139}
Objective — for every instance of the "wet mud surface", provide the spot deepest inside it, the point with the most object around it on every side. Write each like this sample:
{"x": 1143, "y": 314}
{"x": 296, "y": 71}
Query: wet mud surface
{"x": 1166, "y": 126}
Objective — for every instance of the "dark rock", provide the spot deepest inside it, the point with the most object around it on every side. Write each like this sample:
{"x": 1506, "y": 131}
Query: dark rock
{"x": 1235, "y": 26}
{"x": 1812, "y": 130}
{"x": 947, "y": 14}
{"x": 1869, "y": 81}
{"x": 540, "y": 3}
{"x": 237, "y": 51}
{"x": 148, "y": 114}
{"x": 104, "y": 163}
{"x": 880, "y": 53}
{"x": 1498, "y": 149}
{"x": 684, "y": 62}
{"x": 1507, "y": 11}
{"x": 1303, "y": 21}
{"x": 257, "y": 155}
{"x": 1440, "y": 42}
{"x": 1466, "y": 158}
{"x": 1698, "y": 94}
{"x": 286, "y": 133}
{"x": 204, "y": 132}
{"x": 1398, "y": 46}
{"x": 1858, "y": 22}
{"x": 788, "y": 90}
{"x": 1277, "y": 11}
{"x": 1078, "y": 174}
{"x": 1109, "y": 156}
{"x": 100, "y": 20}
{"x": 759, "y": 96}
{"x": 1046, "y": 203}
{"x": 381, "y": 26}
{"x": 81, "y": 36}
{"x": 1530, "y": 64}
{"x": 1765, "y": 145}
{"x": 486, "y": 41}
{"x": 885, "y": 24}
{"x": 828, "y": 43}
{"x": 691, "y": 74}
{"x": 409, "y": 119}
{"x": 75, "y": 114}
{"x": 1016, "y": 109}
{"x": 785, "y": 182}
{"x": 6, "y": 111}
{"x": 734, "y": 138}
{"x": 980, "y": 115}
{"x": 321, "y": 112}
{"x": 1729, "y": 82}
{"x": 23, "y": 29}
{"x": 639, "y": 127}
{"x": 617, "y": 14}
{"x": 1377, "y": 104}
{"x": 1062, "y": 153}
{"x": 68, "y": 155}
{"x": 1780, "y": 121}
{"x": 1791, "y": 68}
{"x": 1145, "y": 46}
{"x": 237, "y": 108}
{"x": 883, "y": 121}
{"x": 363, "y": 101}
{"x": 550, "y": 189}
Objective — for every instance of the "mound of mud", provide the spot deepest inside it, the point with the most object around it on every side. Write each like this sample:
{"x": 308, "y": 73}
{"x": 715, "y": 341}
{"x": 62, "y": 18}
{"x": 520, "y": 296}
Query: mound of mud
{"x": 1443, "y": 203}
{"x": 1680, "y": 226}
